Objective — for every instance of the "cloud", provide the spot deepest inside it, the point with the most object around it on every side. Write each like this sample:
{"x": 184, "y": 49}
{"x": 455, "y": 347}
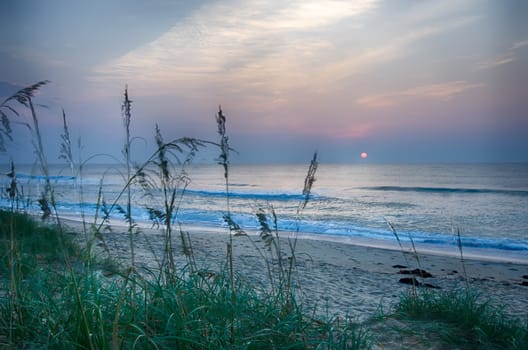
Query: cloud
{"x": 390, "y": 49}
{"x": 239, "y": 47}
{"x": 262, "y": 55}
{"x": 509, "y": 57}
{"x": 440, "y": 92}
{"x": 278, "y": 64}
{"x": 306, "y": 15}
{"x": 499, "y": 61}
{"x": 519, "y": 44}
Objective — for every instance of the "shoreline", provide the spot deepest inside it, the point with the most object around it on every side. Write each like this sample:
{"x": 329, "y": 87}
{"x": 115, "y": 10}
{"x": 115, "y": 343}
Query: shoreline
{"x": 452, "y": 251}
{"x": 336, "y": 278}
{"x": 494, "y": 255}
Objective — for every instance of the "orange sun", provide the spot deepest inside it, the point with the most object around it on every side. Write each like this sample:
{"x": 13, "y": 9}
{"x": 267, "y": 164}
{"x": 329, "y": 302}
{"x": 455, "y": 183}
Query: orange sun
{"x": 364, "y": 155}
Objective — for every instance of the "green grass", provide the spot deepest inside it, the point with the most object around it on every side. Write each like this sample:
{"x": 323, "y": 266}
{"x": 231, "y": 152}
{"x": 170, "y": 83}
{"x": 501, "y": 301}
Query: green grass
{"x": 34, "y": 244}
{"x": 191, "y": 311}
{"x": 464, "y": 319}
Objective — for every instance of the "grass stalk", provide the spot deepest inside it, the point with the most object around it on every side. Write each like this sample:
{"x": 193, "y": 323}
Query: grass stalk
{"x": 127, "y": 116}
{"x": 397, "y": 236}
{"x": 415, "y": 253}
{"x": 309, "y": 180}
{"x": 461, "y": 251}
{"x": 119, "y": 305}
{"x": 166, "y": 173}
{"x": 224, "y": 162}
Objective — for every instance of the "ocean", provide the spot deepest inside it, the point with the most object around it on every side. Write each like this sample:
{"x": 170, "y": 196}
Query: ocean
{"x": 426, "y": 203}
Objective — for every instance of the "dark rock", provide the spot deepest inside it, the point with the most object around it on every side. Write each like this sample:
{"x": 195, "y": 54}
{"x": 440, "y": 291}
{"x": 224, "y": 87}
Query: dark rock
{"x": 416, "y": 272}
{"x": 524, "y": 283}
{"x": 399, "y": 266}
{"x": 410, "y": 280}
{"x": 525, "y": 277}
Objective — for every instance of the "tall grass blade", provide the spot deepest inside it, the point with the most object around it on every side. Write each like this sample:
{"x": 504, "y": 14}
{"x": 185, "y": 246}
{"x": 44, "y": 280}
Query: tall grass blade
{"x": 65, "y": 147}
{"x": 461, "y": 251}
{"x": 233, "y": 226}
{"x": 397, "y": 236}
{"x": 127, "y": 212}
{"x": 309, "y": 180}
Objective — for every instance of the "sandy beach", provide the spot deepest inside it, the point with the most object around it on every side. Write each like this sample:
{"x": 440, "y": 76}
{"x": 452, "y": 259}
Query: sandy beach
{"x": 338, "y": 279}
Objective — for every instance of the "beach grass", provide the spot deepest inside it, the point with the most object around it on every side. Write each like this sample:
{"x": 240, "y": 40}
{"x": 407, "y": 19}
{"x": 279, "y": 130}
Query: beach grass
{"x": 464, "y": 319}
{"x": 460, "y": 317}
{"x": 34, "y": 244}
{"x": 57, "y": 293}
{"x": 191, "y": 310}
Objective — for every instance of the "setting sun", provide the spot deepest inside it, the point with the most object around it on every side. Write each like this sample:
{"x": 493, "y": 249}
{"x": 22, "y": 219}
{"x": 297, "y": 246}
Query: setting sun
{"x": 364, "y": 155}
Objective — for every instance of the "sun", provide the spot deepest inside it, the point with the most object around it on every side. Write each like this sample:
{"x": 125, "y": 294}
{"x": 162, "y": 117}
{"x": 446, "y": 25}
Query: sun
{"x": 364, "y": 155}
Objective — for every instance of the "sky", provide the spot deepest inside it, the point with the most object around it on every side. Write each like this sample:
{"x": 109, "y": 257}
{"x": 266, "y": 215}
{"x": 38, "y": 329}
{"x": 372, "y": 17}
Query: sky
{"x": 404, "y": 81}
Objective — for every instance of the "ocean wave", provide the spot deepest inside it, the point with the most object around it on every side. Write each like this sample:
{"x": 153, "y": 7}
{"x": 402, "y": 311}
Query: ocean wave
{"x": 252, "y": 195}
{"x": 480, "y": 243}
{"x": 315, "y": 227}
{"x": 43, "y": 177}
{"x": 447, "y": 190}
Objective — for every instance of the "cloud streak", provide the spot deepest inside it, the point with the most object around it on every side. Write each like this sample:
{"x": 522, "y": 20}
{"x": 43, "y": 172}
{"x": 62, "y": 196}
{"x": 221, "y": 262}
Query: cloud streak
{"x": 389, "y": 50}
{"x": 509, "y": 56}
{"x": 439, "y": 92}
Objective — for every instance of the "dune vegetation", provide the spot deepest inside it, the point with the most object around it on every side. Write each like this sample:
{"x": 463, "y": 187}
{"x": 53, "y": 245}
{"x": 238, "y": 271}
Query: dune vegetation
{"x": 58, "y": 289}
